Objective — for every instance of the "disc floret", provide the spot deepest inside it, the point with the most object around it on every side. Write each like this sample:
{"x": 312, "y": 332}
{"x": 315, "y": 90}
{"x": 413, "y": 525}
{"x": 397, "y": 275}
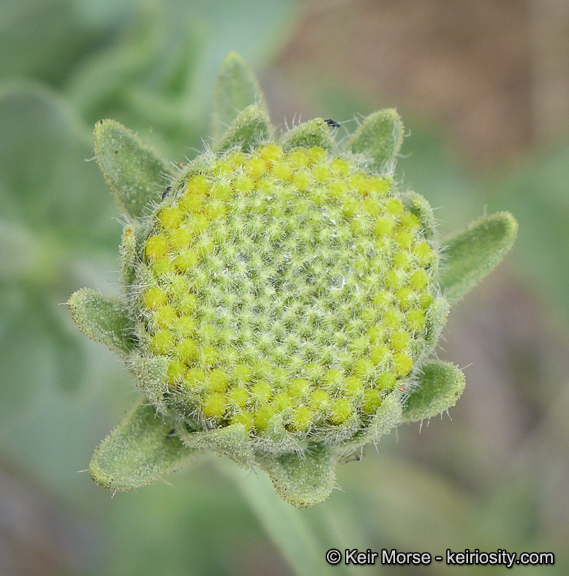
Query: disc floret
{"x": 286, "y": 288}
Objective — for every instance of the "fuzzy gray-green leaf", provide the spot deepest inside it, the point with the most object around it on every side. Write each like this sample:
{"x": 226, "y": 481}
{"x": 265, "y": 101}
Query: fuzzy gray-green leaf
{"x": 436, "y": 319}
{"x": 128, "y": 255}
{"x": 473, "y": 253}
{"x": 151, "y": 377}
{"x": 439, "y": 387}
{"x": 312, "y": 133}
{"x": 250, "y": 128}
{"x": 379, "y": 138}
{"x": 235, "y": 89}
{"x": 303, "y": 480}
{"x": 137, "y": 452}
{"x": 103, "y": 319}
{"x": 421, "y": 208}
{"x": 387, "y": 417}
{"x": 232, "y": 441}
{"x": 133, "y": 171}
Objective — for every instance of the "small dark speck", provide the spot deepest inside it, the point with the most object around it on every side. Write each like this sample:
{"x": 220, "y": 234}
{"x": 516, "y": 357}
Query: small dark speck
{"x": 166, "y": 192}
{"x": 332, "y": 123}
{"x": 354, "y": 457}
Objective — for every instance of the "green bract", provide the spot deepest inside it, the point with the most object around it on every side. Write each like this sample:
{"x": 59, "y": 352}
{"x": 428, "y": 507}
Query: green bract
{"x": 282, "y": 297}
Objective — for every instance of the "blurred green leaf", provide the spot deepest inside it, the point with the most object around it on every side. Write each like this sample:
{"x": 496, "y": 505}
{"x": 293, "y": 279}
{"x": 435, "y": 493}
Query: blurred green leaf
{"x": 45, "y": 184}
{"x": 160, "y": 73}
{"x": 36, "y": 36}
{"x": 51, "y": 214}
{"x": 102, "y": 88}
{"x": 236, "y": 89}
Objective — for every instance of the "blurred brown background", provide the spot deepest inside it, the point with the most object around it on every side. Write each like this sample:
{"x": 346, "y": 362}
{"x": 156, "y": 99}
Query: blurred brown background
{"x": 494, "y": 73}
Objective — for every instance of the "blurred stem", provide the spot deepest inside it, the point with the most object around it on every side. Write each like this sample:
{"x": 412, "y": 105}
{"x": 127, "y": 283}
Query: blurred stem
{"x": 300, "y": 540}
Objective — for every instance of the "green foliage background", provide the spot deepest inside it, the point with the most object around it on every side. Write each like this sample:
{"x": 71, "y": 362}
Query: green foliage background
{"x": 64, "y": 64}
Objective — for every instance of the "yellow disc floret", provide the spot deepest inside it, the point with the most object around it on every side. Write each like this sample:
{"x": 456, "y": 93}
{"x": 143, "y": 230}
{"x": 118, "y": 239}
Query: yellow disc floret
{"x": 287, "y": 288}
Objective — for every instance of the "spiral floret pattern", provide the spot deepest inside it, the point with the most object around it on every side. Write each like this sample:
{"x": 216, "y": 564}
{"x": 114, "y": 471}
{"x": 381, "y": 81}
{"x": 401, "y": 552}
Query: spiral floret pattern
{"x": 288, "y": 290}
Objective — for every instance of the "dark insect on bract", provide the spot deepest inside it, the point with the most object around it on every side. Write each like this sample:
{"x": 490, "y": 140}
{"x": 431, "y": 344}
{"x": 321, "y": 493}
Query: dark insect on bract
{"x": 166, "y": 192}
{"x": 332, "y": 123}
{"x": 354, "y": 457}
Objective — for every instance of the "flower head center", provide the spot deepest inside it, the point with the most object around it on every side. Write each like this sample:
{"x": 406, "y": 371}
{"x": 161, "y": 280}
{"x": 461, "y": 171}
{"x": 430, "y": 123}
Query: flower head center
{"x": 286, "y": 285}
